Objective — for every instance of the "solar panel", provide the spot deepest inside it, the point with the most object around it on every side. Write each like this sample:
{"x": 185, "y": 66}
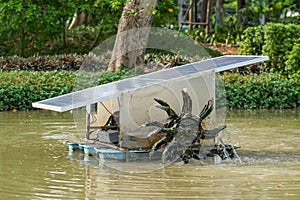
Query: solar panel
{"x": 112, "y": 90}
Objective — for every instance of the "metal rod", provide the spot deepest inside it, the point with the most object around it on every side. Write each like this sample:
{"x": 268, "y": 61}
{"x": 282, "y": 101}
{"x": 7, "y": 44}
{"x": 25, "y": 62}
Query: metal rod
{"x": 88, "y": 121}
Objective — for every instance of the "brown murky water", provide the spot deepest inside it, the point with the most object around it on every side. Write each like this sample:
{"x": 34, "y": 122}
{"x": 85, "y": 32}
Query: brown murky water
{"x": 35, "y": 164}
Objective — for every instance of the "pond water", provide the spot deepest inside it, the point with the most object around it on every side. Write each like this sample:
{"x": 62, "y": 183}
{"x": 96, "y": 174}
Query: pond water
{"x": 35, "y": 164}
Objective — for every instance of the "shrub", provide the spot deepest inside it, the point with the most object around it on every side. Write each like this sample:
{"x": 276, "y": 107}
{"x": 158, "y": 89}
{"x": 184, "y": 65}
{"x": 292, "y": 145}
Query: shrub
{"x": 261, "y": 91}
{"x": 18, "y": 89}
{"x": 278, "y": 41}
{"x": 293, "y": 62}
{"x": 107, "y": 77}
{"x": 253, "y": 41}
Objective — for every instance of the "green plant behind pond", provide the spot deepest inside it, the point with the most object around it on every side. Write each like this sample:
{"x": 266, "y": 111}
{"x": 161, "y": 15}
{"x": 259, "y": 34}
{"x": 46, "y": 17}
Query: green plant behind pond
{"x": 278, "y": 41}
{"x": 261, "y": 91}
{"x": 18, "y": 89}
{"x": 107, "y": 77}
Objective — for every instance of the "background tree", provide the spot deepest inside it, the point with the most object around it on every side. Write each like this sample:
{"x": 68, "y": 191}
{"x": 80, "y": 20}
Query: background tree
{"x": 241, "y": 4}
{"x": 220, "y": 11}
{"x": 27, "y": 26}
{"x": 137, "y": 14}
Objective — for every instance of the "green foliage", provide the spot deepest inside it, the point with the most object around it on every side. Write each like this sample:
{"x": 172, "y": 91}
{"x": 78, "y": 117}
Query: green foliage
{"x": 157, "y": 59}
{"x": 31, "y": 27}
{"x": 229, "y": 32}
{"x": 40, "y": 27}
{"x": 70, "y": 62}
{"x": 261, "y": 92}
{"x": 231, "y": 28}
{"x": 80, "y": 40}
{"x": 277, "y": 8}
{"x": 293, "y": 62}
{"x": 26, "y": 26}
{"x": 107, "y": 77}
{"x": 165, "y": 59}
{"x": 165, "y": 14}
{"x": 18, "y": 89}
{"x": 278, "y": 41}
{"x": 273, "y": 11}
{"x": 197, "y": 34}
{"x": 253, "y": 41}
{"x": 212, "y": 52}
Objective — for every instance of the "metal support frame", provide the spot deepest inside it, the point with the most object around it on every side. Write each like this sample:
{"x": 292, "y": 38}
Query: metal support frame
{"x": 191, "y": 12}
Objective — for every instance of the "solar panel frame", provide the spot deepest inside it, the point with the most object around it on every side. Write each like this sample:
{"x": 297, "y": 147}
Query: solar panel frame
{"x": 115, "y": 89}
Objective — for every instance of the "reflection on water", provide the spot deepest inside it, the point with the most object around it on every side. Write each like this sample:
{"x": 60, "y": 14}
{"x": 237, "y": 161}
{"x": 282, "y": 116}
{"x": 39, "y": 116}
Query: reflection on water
{"x": 35, "y": 164}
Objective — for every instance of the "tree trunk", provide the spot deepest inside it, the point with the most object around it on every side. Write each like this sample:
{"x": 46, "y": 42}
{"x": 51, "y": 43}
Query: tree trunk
{"x": 64, "y": 38}
{"x": 203, "y": 11}
{"x": 220, "y": 11}
{"x": 180, "y": 12}
{"x": 241, "y": 4}
{"x": 208, "y": 15}
{"x": 79, "y": 19}
{"x": 191, "y": 14}
{"x": 131, "y": 40}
